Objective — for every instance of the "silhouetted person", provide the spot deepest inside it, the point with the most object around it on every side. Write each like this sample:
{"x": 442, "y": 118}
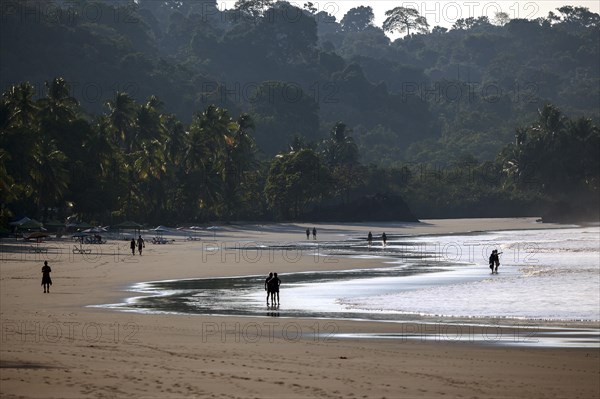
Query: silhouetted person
{"x": 495, "y": 261}
{"x": 314, "y": 233}
{"x": 140, "y": 244}
{"x": 307, "y": 233}
{"x": 384, "y": 239}
{"x": 132, "y": 246}
{"x": 275, "y": 282}
{"x": 268, "y": 286}
{"x": 370, "y": 238}
{"x": 46, "y": 280}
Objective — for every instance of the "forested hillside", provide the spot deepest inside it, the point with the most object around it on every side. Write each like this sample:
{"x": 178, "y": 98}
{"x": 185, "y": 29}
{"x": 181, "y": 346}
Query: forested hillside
{"x": 428, "y": 97}
{"x": 173, "y": 109}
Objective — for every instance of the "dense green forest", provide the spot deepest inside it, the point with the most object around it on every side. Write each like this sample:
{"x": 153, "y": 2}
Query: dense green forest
{"x": 174, "y": 110}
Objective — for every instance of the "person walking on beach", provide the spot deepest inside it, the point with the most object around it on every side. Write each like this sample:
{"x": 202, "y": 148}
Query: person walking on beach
{"x": 46, "y": 280}
{"x": 495, "y": 261}
{"x": 268, "y": 286}
{"x": 384, "y": 239}
{"x": 370, "y": 238}
{"x": 314, "y": 233}
{"x": 307, "y": 233}
{"x": 132, "y": 246}
{"x": 275, "y": 282}
{"x": 140, "y": 244}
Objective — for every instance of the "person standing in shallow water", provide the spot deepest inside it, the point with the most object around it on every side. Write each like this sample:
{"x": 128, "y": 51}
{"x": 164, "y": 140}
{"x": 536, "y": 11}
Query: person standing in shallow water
{"x": 46, "y": 280}
{"x": 307, "y": 233}
{"x": 384, "y": 239}
{"x": 370, "y": 238}
{"x": 268, "y": 286}
{"x": 275, "y": 282}
{"x": 132, "y": 246}
{"x": 495, "y": 261}
{"x": 314, "y": 233}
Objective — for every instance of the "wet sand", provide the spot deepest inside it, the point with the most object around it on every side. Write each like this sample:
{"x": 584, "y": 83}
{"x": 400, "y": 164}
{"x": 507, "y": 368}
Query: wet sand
{"x": 54, "y": 345}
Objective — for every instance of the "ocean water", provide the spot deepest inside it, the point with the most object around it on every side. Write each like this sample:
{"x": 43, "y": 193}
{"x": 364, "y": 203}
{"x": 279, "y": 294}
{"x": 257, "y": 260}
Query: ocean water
{"x": 544, "y": 275}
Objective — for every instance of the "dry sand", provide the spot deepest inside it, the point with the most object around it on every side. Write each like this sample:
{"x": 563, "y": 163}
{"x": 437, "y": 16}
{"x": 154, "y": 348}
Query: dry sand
{"x": 53, "y": 346}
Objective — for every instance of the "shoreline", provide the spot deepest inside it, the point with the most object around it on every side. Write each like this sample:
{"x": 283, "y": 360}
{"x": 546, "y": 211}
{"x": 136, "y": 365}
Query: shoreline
{"x": 141, "y": 290}
{"x": 53, "y": 345}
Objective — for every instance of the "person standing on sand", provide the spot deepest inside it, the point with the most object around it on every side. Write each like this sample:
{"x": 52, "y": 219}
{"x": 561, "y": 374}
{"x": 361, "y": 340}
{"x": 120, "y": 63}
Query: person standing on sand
{"x": 307, "y": 233}
{"x": 370, "y": 239}
{"x": 384, "y": 239}
{"x": 140, "y": 244}
{"x": 46, "y": 280}
{"x": 132, "y": 246}
{"x": 314, "y": 233}
{"x": 268, "y": 286}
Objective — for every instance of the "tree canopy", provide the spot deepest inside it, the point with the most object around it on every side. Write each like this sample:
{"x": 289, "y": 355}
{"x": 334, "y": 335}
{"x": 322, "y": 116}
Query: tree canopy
{"x": 147, "y": 92}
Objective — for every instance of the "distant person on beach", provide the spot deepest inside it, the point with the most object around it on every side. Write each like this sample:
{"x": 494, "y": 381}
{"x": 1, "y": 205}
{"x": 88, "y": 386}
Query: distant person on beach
{"x": 370, "y": 238}
{"x": 275, "y": 282}
{"x": 140, "y": 244}
{"x": 384, "y": 239}
{"x": 314, "y": 233}
{"x": 132, "y": 246}
{"x": 495, "y": 261}
{"x": 307, "y": 233}
{"x": 268, "y": 286}
{"x": 46, "y": 280}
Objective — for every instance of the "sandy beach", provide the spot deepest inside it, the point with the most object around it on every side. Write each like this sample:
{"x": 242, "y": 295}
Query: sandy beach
{"x": 57, "y": 346}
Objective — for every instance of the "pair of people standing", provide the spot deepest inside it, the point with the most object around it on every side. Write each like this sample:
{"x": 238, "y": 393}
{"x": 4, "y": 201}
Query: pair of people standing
{"x": 140, "y": 245}
{"x": 314, "y": 233}
{"x": 272, "y": 284}
{"x": 383, "y": 239}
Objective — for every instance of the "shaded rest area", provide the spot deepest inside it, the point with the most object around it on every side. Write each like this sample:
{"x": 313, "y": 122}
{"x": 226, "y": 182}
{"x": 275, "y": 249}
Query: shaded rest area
{"x": 26, "y": 225}
{"x": 191, "y": 232}
{"x": 30, "y": 230}
{"x": 127, "y": 226}
{"x": 159, "y": 235}
{"x": 56, "y": 227}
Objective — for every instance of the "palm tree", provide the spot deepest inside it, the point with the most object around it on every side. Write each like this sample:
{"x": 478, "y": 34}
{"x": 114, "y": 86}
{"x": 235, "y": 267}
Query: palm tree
{"x": 22, "y": 108}
{"x": 58, "y": 118}
{"x": 340, "y": 148}
{"x": 122, "y": 119}
{"x": 18, "y": 134}
{"x": 58, "y": 107}
{"x": 48, "y": 174}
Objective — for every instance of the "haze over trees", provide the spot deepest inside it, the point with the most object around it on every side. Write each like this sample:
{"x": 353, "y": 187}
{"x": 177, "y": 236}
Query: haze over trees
{"x": 176, "y": 109}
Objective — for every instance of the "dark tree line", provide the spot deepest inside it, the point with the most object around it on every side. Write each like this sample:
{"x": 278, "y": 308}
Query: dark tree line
{"x": 271, "y": 111}
{"x": 136, "y": 161}
{"x": 435, "y": 95}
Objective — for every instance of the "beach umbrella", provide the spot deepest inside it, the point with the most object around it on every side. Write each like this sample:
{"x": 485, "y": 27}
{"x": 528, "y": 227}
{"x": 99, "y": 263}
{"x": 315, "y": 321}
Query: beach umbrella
{"x": 95, "y": 230}
{"x": 30, "y": 224}
{"x": 214, "y": 230}
{"x": 128, "y": 225}
{"x": 83, "y": 226}
{"x": 20, "y": 221}
{"x": 37, "y": 235}
{"x": 54, "y": 224}
{"x": 159, "y": 230}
